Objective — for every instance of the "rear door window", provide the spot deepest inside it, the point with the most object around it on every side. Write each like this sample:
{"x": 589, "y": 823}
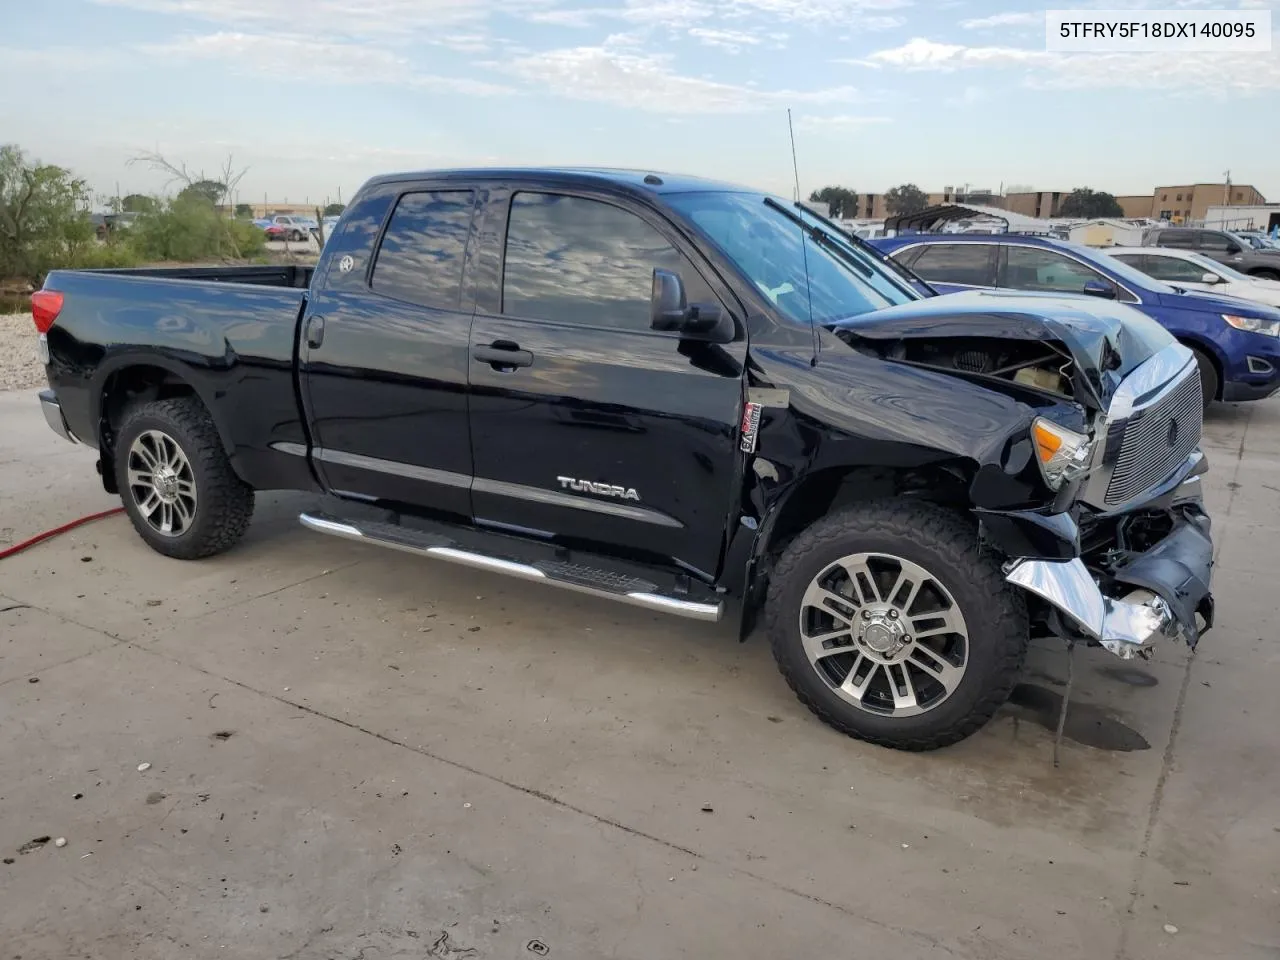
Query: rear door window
{"x": 969, "y": 264}
{"x": 1182, "y": 239}
{"x": 420, "y": 260}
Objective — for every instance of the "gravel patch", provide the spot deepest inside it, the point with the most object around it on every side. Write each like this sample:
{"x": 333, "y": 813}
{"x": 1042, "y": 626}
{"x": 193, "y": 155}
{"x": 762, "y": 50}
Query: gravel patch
{"x": 19, "y": 367}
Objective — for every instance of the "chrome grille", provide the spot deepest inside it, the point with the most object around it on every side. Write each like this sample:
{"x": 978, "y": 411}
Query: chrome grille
{"x": 1155, "y": 439}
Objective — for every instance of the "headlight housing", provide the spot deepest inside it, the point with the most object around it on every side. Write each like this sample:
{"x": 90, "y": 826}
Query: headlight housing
{"x": 1062, "y": 454}
{"x": 1270, "y": 328}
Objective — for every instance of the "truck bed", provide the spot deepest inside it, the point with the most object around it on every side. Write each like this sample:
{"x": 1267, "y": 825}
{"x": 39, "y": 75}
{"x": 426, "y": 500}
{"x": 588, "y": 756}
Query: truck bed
{"x": 291, "y": 276}
{"x": 228, "y": 332}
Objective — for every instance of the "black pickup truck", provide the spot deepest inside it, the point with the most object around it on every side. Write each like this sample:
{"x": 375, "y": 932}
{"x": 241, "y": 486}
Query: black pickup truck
{"x": 678, "y": 394}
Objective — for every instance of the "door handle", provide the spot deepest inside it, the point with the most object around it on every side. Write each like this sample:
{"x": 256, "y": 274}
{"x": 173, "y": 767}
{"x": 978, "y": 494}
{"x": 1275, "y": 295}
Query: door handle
{"x": 315, "y": 332}
{"x": 503, "y": 355}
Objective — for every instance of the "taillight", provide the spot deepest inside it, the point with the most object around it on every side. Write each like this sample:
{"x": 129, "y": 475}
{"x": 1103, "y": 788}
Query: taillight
{"x": 45, "y": 307}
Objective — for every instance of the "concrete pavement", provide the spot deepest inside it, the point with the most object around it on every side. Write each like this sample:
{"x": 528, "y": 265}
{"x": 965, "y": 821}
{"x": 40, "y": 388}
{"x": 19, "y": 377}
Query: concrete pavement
{"x": 357, "y": 753}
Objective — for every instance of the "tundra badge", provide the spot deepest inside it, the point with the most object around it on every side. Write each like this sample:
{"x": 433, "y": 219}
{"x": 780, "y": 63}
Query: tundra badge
{"x": 604, "y": 489}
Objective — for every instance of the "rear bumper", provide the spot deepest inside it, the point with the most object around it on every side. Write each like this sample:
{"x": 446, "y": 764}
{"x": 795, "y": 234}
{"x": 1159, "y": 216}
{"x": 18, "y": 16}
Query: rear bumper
{"x": 1153, "y": 595}
{"x": 53, "y": 416}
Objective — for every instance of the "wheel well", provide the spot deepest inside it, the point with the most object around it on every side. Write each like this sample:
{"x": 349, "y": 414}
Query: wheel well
{"x": 139, "y": 384}
{"x": 825, "y": 491}
{"x": 1212, "y": 357}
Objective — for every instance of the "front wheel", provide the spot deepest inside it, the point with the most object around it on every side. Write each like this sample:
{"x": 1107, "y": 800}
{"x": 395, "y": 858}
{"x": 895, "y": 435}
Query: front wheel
{"x": 893, "y": 626}
{"x": 176, "y": 481}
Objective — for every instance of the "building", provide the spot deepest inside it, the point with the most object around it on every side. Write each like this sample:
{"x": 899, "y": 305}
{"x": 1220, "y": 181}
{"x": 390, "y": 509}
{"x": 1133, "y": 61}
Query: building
{"x": 1190, "y": 202}
{"x": 1040, "y": 204}
{"x": 263, "y": 210}
{"x": 1257, "y": 217}
{"x": 1136, "y": 205}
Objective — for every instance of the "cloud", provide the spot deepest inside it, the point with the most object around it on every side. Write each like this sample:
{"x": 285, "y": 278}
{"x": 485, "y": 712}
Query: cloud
{"x": 840, "y": 123}
{"x": 730, "y": 40}
{"x": 342, "y": 18}
{"x": 647, "y": 82}
{"x": 299, "y": 58}
{"x": 1011, "y": 19}
{"x": 1206, "y": 73}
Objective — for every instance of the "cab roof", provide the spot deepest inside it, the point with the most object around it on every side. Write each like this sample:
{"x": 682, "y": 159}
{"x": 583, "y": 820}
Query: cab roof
{"x": 646, "y": 181}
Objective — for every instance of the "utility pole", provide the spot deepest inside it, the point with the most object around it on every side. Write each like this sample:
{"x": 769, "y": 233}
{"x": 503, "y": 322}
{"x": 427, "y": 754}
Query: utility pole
{"x": 1226, "y": 190}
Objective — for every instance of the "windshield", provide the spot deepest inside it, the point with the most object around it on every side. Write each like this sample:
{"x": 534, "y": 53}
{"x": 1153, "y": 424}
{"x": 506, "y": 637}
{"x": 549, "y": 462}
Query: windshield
{"x": 763, "y": 238}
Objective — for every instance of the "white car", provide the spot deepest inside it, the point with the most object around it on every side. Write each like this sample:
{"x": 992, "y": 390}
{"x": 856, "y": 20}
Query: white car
{"x": 1195, "y": 271}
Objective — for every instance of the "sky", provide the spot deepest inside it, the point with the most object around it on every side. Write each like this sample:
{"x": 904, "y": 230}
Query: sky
{"x": 315, "y": 96}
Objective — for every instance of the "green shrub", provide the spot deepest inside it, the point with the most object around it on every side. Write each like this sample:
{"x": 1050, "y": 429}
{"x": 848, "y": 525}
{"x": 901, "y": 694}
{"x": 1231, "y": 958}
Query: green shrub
{"x": 43, "y": 218}
{"x": 188, "y": 228}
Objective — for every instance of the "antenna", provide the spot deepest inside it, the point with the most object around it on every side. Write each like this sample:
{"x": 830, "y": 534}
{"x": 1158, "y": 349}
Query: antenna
{"x": 804, "y": 250}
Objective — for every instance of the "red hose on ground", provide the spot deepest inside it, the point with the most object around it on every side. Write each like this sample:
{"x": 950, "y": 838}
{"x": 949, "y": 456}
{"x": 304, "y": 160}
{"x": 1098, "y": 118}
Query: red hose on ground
{"x": 49, "y": 534}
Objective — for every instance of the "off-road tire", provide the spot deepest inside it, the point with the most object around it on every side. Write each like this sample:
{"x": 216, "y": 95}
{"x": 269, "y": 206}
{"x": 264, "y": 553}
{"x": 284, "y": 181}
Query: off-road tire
{"x": 224, "y": 502}
{"x": 946, "y": 545}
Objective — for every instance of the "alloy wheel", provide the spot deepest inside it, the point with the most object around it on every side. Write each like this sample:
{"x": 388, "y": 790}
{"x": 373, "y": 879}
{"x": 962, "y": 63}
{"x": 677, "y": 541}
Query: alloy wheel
{"x": 162, "y": 483}
{"x": 884, "y": 634}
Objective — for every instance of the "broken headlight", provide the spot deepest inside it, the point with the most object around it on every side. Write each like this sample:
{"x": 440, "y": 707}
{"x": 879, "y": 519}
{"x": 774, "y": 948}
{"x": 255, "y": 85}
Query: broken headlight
{"x": 1062, "y": 454}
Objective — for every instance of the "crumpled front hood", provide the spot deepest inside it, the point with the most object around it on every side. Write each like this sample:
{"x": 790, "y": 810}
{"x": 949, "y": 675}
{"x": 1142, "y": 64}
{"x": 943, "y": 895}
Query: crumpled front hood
{"x": 1106, "y": 339}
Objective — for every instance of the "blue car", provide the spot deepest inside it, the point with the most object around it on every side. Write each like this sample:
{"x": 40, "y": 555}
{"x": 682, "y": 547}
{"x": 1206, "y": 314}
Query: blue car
{"x": 1236, "y": 342}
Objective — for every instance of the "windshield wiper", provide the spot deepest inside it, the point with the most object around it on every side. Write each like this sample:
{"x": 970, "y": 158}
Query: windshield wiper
{"x": 819, "y": 237}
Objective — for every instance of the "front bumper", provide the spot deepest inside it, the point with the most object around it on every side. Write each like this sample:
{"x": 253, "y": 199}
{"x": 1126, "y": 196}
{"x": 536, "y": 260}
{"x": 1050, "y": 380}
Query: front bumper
{"x": 53, "y": 416}
{"x": 1152, "y": 595}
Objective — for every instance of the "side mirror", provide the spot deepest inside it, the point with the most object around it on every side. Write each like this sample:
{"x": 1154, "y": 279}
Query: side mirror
{"x": 671, "y": 312}
{"x": 668, "y": 308}
{"x": 1210, "y": 278}
{"x": 1232, "y": 249}
{"x": 1096, "y": 288}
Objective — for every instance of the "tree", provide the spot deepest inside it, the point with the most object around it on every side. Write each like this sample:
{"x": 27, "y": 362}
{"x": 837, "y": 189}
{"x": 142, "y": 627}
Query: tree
{"x": 842, "y": 200}
{"x": 244, "y": 211}
{"x": 1086, "y": 203}
{"x": 334, "y": 209}
{"x": 138, "y": 203}
{"x": 208, "y": 190}
{"x": 907, "y": 198}
{"x": 44, "y": 220}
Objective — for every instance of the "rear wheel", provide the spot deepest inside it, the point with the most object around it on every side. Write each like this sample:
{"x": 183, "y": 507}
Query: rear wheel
{"x": 1208, "y": 375}
{"x": 176, "y": 481}
{"x": 890, "y": 624}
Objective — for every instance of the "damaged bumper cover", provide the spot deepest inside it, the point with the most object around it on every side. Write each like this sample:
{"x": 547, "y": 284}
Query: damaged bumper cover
{"x": 1156, "y": 594}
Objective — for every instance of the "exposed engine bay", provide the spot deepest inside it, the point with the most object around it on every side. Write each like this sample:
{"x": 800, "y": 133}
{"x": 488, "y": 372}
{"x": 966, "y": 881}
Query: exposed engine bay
{"x": 1043, "y": 365}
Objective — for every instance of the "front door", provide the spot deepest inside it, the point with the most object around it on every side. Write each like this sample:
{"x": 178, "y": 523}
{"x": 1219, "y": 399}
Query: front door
{"x": 384, "y": 352}
{"x": 588, "y": 427}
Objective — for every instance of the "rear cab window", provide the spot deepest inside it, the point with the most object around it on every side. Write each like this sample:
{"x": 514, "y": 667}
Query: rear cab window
{"x": 969, "y": 264}
{"x": 423, "y": 249}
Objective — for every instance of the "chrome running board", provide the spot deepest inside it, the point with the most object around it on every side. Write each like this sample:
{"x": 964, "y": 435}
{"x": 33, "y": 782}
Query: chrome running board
{"x": 581, "y": 579}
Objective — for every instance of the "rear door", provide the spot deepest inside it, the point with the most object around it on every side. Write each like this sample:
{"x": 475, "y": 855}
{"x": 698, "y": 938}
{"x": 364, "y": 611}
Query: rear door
{"x": 384, "y": 351}
{"x": 589, "y": 427}
{"x": 952, "y": 267}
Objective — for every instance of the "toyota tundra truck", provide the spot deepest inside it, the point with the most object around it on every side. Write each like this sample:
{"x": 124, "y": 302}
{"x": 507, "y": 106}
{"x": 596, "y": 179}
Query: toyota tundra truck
{"x": 683, "y": 395}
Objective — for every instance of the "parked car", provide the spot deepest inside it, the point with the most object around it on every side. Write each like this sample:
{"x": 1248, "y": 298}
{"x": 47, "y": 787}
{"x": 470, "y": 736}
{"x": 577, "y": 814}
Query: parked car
{"x": 1223, "y": 246}
{"x": 1259, "y": 240}
{"x": 1195, "y": 271}
{"x": 284, "y": 227}
{"x": 677, "y": 394}
{"x": 1236, "y": 343}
